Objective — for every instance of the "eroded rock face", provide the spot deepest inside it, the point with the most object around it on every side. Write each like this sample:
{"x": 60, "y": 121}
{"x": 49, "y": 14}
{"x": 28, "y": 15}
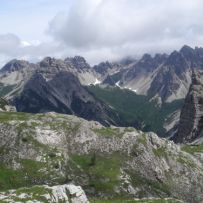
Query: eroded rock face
{"x": 78, "y": 62}
{"x": 16, "y": 65}
{"x": 63, "y": 94}
{"x": 15, "y": 74}
{"x": 106, "y": 162}
{"x": 173, "y": 79}
{"x": 106, "y": 68}
{"x": 41, "y": 194}
{"x": 163, "y": 76}
{"x": 191, "y": 119}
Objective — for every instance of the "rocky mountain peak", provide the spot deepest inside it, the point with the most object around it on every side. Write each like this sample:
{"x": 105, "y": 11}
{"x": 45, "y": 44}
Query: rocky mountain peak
{"x": 191, "y": 55}
{"x": 48, "y": 62}
{"x": 78, "y": 62}
{"x": 160, "y": 57}
{"x": 177, "y": 62}
{"x": 15, "y": 65}
{"x": 79, "y": 59}
{"x": 146, "y": 57}
{"x": 104, "y": 68}
{"x": 186, "y": 49}
{"x": 146, "y": 63}
{"x": 174, "y": 58}
{"x": 199, "y": 51}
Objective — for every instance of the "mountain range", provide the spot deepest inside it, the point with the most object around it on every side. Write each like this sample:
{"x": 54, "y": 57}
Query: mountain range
{"x": 65, "y": 123}
{"x": 165, "y": 77}
{"x": 159, "y": 82}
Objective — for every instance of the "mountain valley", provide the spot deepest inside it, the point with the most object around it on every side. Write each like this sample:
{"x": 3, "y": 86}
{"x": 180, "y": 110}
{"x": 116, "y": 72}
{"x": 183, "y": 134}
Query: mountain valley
{"x": 128, "y": 131}
{"x": 158, "y": 83}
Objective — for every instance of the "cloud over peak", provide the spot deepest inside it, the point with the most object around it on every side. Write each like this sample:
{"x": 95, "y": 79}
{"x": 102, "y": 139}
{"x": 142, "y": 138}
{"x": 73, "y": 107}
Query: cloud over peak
{"x": 109, "y": 23}
{"x": 112, "y": 29}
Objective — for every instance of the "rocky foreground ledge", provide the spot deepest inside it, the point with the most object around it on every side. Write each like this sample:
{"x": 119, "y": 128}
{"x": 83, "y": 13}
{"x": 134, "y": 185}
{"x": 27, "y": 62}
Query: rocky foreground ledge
{"x": 42, "y": 194}
{"x": 108, "y": 163}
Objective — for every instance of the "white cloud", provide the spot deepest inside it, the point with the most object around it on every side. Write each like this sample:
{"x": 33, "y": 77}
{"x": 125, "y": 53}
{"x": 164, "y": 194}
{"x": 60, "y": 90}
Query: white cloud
{"x": 12, "y": 46}
{"x": 9, "y": 43}
{"x": 25, "y": 44}
{"x": 100, "y": 29}
{"x": 121, "y": 27}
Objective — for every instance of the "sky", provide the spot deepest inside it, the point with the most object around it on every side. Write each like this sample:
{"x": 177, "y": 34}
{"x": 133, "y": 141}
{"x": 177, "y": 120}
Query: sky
{"x": 99, "y": 30}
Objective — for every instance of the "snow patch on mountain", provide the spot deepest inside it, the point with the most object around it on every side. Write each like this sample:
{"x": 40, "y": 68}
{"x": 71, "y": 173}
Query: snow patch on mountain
{"x": 97, "y": 82}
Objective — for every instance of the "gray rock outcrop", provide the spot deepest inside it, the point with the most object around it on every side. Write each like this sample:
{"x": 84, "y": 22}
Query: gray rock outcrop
{"x": 48, "y": 149}
{"x": 191, "y": 119}
{"x": 44, "y": 193}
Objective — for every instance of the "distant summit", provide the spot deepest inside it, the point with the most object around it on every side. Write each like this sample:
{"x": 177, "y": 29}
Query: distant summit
{"x": 15, "y": 65}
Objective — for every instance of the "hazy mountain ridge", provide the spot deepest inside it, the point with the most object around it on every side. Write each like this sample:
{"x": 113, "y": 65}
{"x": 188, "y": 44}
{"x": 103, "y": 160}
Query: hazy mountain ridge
{"x": 167, "y": 77}
{"x": 162, "y": 79}
{"x": 117, "y": 163}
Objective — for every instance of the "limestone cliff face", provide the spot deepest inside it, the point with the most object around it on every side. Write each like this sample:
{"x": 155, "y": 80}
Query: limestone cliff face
{"x": 55, "y": 149}
{"x": 191, "y": 119}
{"x": 166, "y": 77}
{"x": 40, "y": 194}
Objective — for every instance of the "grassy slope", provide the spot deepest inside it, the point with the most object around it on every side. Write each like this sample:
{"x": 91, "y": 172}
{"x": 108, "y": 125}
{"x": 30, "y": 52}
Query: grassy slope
{"x": 31, "y": 172}
{"x": 136, "y": 109}
{"x": 103, "y": 171}
{"x": 192, "y": 149}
